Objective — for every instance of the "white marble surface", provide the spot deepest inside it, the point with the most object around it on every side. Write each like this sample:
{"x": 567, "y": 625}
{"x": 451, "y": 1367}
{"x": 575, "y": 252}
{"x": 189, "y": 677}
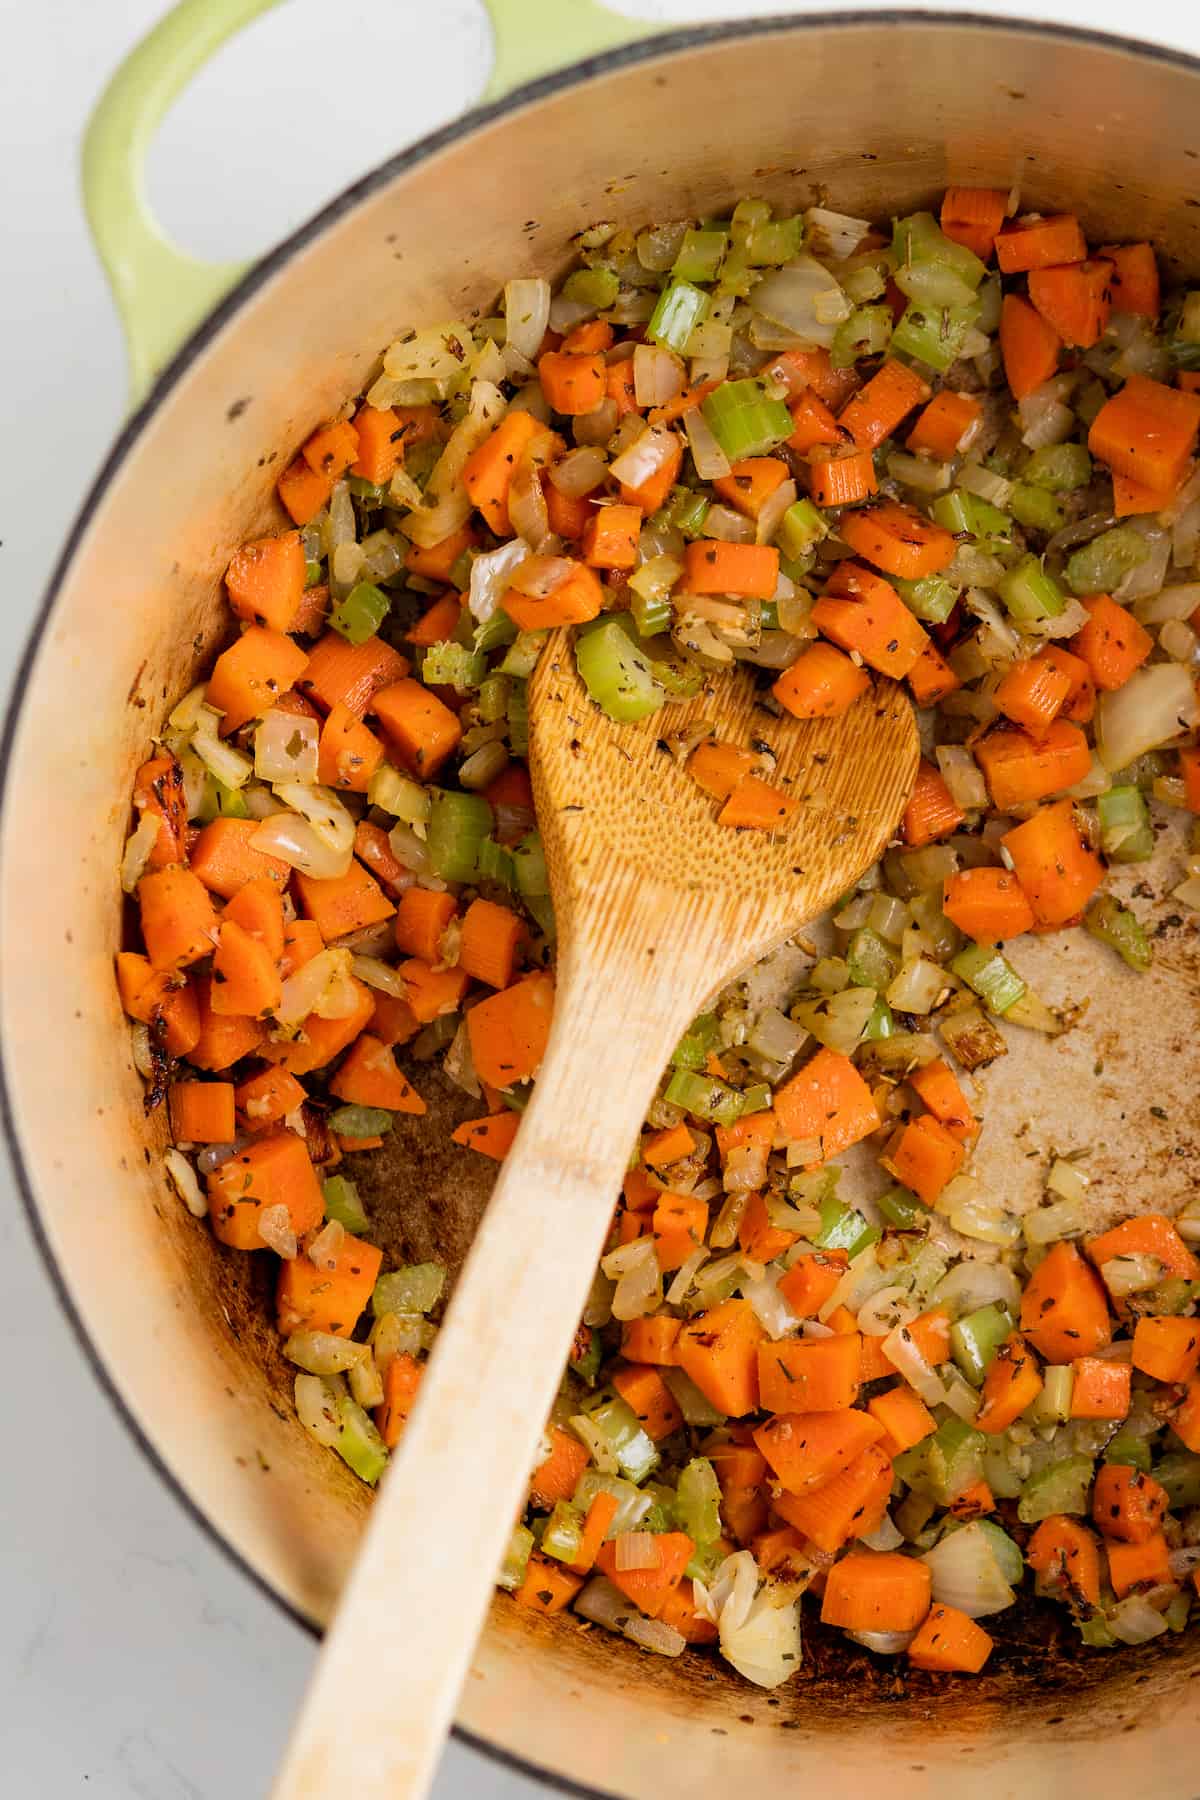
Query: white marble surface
{"x": 135, "y": 1661}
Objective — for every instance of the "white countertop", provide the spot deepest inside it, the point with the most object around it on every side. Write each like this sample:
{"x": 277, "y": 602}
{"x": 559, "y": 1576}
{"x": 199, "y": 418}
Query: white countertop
{"x": 135, "y": 1660}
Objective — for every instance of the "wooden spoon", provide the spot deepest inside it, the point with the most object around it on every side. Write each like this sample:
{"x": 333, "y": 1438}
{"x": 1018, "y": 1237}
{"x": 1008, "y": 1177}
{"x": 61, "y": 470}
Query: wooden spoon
{"x": 658, "y": 908}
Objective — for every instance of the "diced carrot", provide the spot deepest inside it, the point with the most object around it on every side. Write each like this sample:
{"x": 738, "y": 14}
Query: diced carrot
{"x": 308, "y": 1298}
{"x": 949, "y": 1642}
{"x": 863, "y": 613}
{"x": 878, "y": 407}
{"x": 1029, "y": 346}
{"x": 1101, "y": 1389}
{"x": 947, "y": 425}
{"x": 572, "y": 384}
{"x": 651, "y": 1340}
{"x": 1131, "y": 498}
{"x": 344, "y": 1143}
{"x": 802, "y": 369}
{"x": 302, "y": 491}
{"x": 1074, "y": 299}
{"x": 491, "y": 939}
{"x": 393, "y": 1020}
{"x": 1053, "y": 864}
{"x": 302, "y": 941}
{"x": 509, "y": 1031}
{"x": 202, "y": 1112}
{"x": 842, "y": 1321}
{"x": 751, "y": 1128}
{"x": 1040, "y": 243}
{"x": 654, "y": 1405}
{"x": 680, "y": 1223}
{"x": 923, "y": 1156}
{"x": 932, "y": 811}
{"x": 591, "y": 336}
{"x": 322, "y": 1039}
{"x": 179, "y": 922}
{"x": 1128, "y": 1504}
{"x": 678, "y": 1611}
{"x": 492, "y": 1136}
{"x": 576, "y": 599}
{"x": 641, "y": 1191}
{"x": 972, "y": 216}
{"x": 751, "y": 482}
{"x": 379, "y": 446}
{"x": 351, "y": 673}
{"x": 761, "y": 1240}
{"x": 1033, "y": 693}
{"x": 160, "y": 998}
{"x": 222, "y": 1039}
{"x": 275, "y": 1171}
{"x": 1065, "y": 1555}
{"x": 806, "y": 1450}
{"x": 930, "y": 1332}
{"x": 548, "y": 1586}
{"x": 799, "y": 1375}
{"x": 1167, "y": 1348}
{"x": 245, "y": 976}
{"x": 931, "y": 678}
{"x": 712, "y": 566}
{"x": 1080, "y": 702}
{"x": 987, "y": 904}
{"x": 1134, "y": 285}
{"x": 422, "y": 916}
{"x": 421, "y": 730}
{"x": 652, "y": 493}
{"x": 265, "y": 580}
{"x": 347, "y": 903}
{"x": 610, "y": 538}
{"x": 905, "y": 1418}
{"x": 349, "y": 753}
{"x": 649, "y": 1589}
{"x": 371, "y": 847}
{"x": 876, "y": 1591}
{"x": 828, "y": 1105}
{"x": 811, "y": 1280}
{"x": 432, "y": 993}
{"x": 1185, "y": 1420}
{"x": 1064, "y": 1311}
{"x": 718, "y": 1350}
{"x": 937, "y": 1086}
{"x": 742, "y": 1474}
{"x": 667, "y": 1147}
{"x": 369, "y": 1077}
{"x": 224, "y": 858}
{"x": 898, "y": 540}
{"x": 1020, "y": 768}
{"x": 1150, "y": 1234}
{"x": 555, "y": 1478}
{"x": 822, "y": 683}
{"x": 850, "y": 1505}
{"x": 813, "y": 423}
{"x": 401, "y": 1384}
{"x": 874, "y": 1364}
{"x": 619, "y": 387}
{"x": 569, "y": 514}
{"x": 435, "y": 564}
{"x": 249, "y": 677}
{"x": 257, "y": 907}
{"x": 158, "y": 789}
{"x": 1013, "y": 1382}
{"x": 488, "y": 471}
{"x": 1112, "y": 643}
{"x": 671, "y": 411}
{"x": 332, "y": 449}
{"x": 1146, "y": 430}
{"x": 843, "y": 479}
{"x": 600, "y": 1515}
{"x": 267, "y": 1097}
{"x": 1138, "y": 1566}
{"x": 759, "y": 806}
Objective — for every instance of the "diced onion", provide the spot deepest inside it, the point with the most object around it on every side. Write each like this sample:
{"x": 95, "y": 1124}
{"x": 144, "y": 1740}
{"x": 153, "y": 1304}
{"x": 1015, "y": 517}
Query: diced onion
{"x": 582, "y": 471}
{"x": 1133, "y": 1274}
{"x": 1178, "y": 640}
{"x": 183, "y": 1179}
{"x": 884, "y": 1643}
{"x": 316, "y": 1407}
{"x": 320, "y": 1353}
{"x": 138, "y": 846}
{"x": 834, "y": 234}
{"x": 1049, "y": 1224}
{"x": 804, "y": 298}
{"x": 730, "y": 1594}
{"x": 230, "y": 767}
{"x": 966, "y": 1573}
{"x": 658, "y": 375}
{"x": 653, "y": 1634}
{"x": 711, "y": 462}
{"x": 765, "y": 1648}
{"x": 275, "y": 1230}
{"x": 326, "y": 1247}
{"x": 636, "y": 1550}
{"x": 303, "y": 992}
{"x": 973, "y": 1283}
{"x": 962, "y": 776}
{"x": 285, "y": 747}
{"x": 1068, "y": 1179}
{"x": 294, "y": 841}
{"x": 886, "y": 1535}
{"x": 770, "y": 1308}
{"x": 528, "y": 513}
{"x": 447, "y": 505}
{"x": 650, "y": 450}
{"x": 885, "y": 1310}
{"x": 901, "y": 1349}
{"x": 379, "y": 975}
{"x": 1151, "y": 708}
{"x": 1134, "y": 1621}
{"x": 526, "y": 314}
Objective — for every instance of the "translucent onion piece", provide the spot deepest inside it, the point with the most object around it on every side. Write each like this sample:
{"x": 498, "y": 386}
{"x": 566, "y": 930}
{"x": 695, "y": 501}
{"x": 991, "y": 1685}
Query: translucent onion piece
{"x": 966, "y": 1573}
{"x": 320, "y": 1353}
{"x": 451, "y": 505}
{"x": 636, "y": 1550}
{"x": 229, "y": 766}
{"x": 884, "y": 1643}
{"x": 326, "y": 1247}
{"x": 483, "y": 765}
{"x": 526, "y": 314}
{"x": 658, "y": 375}
{"x": 710, "y": 460}
{"x": 581, "y": 472}
{"x": 654, "y": 1634}
{"x": 527, "y": 511}
{"x": 972, "y": 1284}
{"x": 771, "y": 515}
{"x": 653, "y": 447}
{"x": 275, "y": 1230}
{"x": 323, "y": 811}
{"x": 1177, "y": 602}
{"x": 294, "y": 841}
{"x": 766, "y": 1648}
{"x": 541, "y": 576}
{"x": 303, "y": 992}
{"x": 138, "y": 846}
{"x": 1134, "y": 1621}
{"x": 804, "y": 298}
{"x": 489, "y": 577}
{"x": 732, "y": 1589}
{"x": 379, "y": 975}
{"x": 596, "y": 427}
{"x": 409, "y": 849}
{"x": 437, "y": 353}
{"x": 833, "y": 234}
{"x": 962, "y": 776}
{"x": 770, "y": 1308}
{"x": 285, "y": 748}
{"x": 316, "y": 1408}
{"x": 1152, "y": 708}
{"x": 885, "y": 1310}
{"x": 900, "y": 1349}
{"x": 183, "y": 1180}
{"x": 603, "y": 1604}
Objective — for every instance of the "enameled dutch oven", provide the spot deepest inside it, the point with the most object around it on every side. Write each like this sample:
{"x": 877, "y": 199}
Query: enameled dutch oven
{"x": 877, "y": 113}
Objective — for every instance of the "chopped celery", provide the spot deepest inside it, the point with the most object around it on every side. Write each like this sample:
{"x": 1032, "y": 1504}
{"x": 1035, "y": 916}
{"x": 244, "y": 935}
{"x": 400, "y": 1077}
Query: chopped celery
{"x": 520, "y": 659}
{"x": 1125, "y": 832}
{"x": 542, "y": 909}
{"x": 1101, "y": 566}
{"x": 1178, "y": 1472}
{"x": 700, "y": 254}
{"x": 450, "y": 665}
{"x": 361, "y": 613}
{"x": 768, "y": 615}
{"x": 1000, "y": 1469}
{"x": 913, "y": 1514}
{"x": 369, "y": 492}
{"x": 1036, "y": 509}
{"x": 492, "y": 701}
{"x": 688, "y": 511}
{"x": 221, "y": 802}
{"x": 960, "y": 511}
{"x": 495, "y": 863}
{"x": 744, "y": 421}
{"x": 1095, "y": 1632}
{"x": 529, "y": 859}
{"x": 677, "y": 674}
{"x": 865, "y": 333}
{"x": 358, "y": 1443}
{"x": 458, "y": 824}
{"x": 705, "y": 1560}
{"x": 616, "y": 1424}
{"x": 563, "y": 1535}
{"x": 756, "y": 1097}
{"x": 592, "y": 287}
{"x": 360, "y": 1121}
{"x": 1029, "y": 592}
{"x": 881, "y": 1023}
{"x": 1132, "y": 1452}
{"x": 651, "y": 614}
{"x": 705, "y": 1097}
{"x": 516, "y": 1559}
{"x": 1062, "y": 1488}
{"x": 990, "y": 975}
{"x": 415, "y": 1289}
{"x": 975, "y": 1340}
{"x": 920, "y": 246}
{"x": 587, "y": 1366}
{"x": 343, "y": 1205}
{"x": 1053, "y": 1404}
{"x": 680, "y": 309}
{"x": 902, "y": 1209}
{"x": 399, "y": 795}
{"x": 701, "y": 1037}
{"x": 932, "y": 597}
{"x": 518, "y": 719}
{"x": 802, "y": 526}
{"x": 617, "y": 674}
{"x": 934, "y": 335}
{"x": 946, "y": 1464}
{"x": 312, "y": 573}
{"x": 495, "y": 634}
{"x": 460, "y": 572}
{"x": 872, "y": 962}
{"x": 698, "y": 1501}
{"x": 1060, "y": 468}
{"x": 844, "y": 1228}
{"x": 775, "y": 241}
{"x": 1177, "y": 1609}
{"x": 1121, "y": 929}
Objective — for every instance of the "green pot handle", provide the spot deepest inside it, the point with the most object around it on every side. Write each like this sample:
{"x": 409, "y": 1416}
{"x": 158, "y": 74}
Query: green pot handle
{"x": 161, "y": 293}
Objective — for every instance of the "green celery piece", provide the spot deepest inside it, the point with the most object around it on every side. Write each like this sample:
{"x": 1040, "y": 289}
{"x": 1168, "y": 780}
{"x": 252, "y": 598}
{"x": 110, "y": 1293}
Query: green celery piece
{"x": 542, "y": 910}
{"x": 563, "y": 1535}
{"x": 1177, "y": 1609}
{"x": 919, "y": 240}
{"x": 867, "y": 332}
{"x": 1036, "y": 508}
{"x": 1095, "y": 1632}
{"x": 342, "y": 1204}
{"x": 1101, "y": 566}
{"x": 592, "y": 287}
{"x": 516, "y": 1559}
{"x": 1121, "y": 929}
{"x": 700, "y": 255}
{"x": 616, "y": 673}
{"x": 530, "y": 860}
{"x": 998, "y": 1470}
{"x": 913, "y": 1514}
{"x": 358, "y": 1442}
{"x": 312, "y": 573}
{"x": 932, "y": 597}
{"x": 688, "y": 511}
{"x": 651, "y": 615}
{"x": 493, "y": 698}
{"x": 458, "y": 824}
{"x": 768, "y": 615}
{"x": 496, "y": 633}
{"x": 495, "y": 863}
{"x": 587, "y": 1366}
{"x": 744, "y": 421}
{"x": 945, "y": 1464}
{"x": 617, "y": 1424}
{"x": 1179, "y": 1473}
{"x": 681, "y": 307}
{"x": 756, "y": 1098}
{"x": 959, "y": 512}
{"x": 448, "y": 665}
{"x": 802, "y": 527}
{"x": 698, "y": 1501}
{"x": 902, "y": 1209}
{"x": 701, "y": 1036}
{"x": 221, "y": 802}
{"x": 844, "y": 1228}
{"x": 872, "y": 962}
{"x": 1174, "y": 1295}
{"x": 1061, "y": 468}
{"x": 520, "y": 659}
{"x": 706, "y": 1559}
{"x": 774, "y": 242}
{"x": 704, "y": 1096}
{"x": 360, "y": 1121}
{"x": 933, "y": 335}
{"x": 361, "y": 613}
{"x": 1008, "y": 1555}
{"x": 368, "y": 492}
{"x": 990, "y": 975}
{"x": 415, "y": 1289}
{"x": 1130, "y": 1451}
{"x": 518, "y": 719}
{"x": 881, "y": 1023}
{"x": 1053, "y": 1404}
{"x": 975, "y": 1340}
{"x": 677, "y": 675}
{"x": 1064, "y": 1487}
{"x": 460, "y": 572}
{"x": 1126, "y": 835}
{"x": 797, "y": 567}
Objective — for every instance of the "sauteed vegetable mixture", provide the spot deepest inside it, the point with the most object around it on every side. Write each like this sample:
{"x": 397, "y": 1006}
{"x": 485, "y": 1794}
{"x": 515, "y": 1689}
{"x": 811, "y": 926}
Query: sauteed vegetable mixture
{"x": 956, "y": 453}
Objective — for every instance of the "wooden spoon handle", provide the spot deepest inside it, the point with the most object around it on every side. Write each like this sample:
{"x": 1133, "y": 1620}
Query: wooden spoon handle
{"x": 383, "y": 1696}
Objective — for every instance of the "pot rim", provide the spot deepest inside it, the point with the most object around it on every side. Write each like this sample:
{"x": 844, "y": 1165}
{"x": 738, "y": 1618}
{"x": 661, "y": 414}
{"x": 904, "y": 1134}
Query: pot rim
{"x": 665, "y": 43}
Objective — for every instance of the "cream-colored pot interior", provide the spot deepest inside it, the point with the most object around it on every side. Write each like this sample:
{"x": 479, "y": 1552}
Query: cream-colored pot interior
{"x": 876, "y": 114}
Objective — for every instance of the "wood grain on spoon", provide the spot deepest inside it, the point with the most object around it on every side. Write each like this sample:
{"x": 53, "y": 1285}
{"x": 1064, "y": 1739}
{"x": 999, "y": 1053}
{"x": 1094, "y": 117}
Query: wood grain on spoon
{"x": 658, "y": 907}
